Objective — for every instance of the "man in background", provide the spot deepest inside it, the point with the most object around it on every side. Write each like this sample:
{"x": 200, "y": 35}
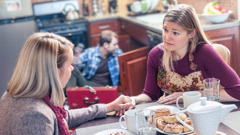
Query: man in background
{"x": 101, "y": 62}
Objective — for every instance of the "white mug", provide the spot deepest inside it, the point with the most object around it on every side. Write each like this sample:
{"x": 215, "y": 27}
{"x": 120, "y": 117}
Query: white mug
{"x": 188, "y": 98}
{"x": 130, "y": 121}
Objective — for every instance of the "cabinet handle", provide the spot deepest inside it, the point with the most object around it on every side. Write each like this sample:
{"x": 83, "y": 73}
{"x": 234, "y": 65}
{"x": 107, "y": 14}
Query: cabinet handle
{"x": 104, "y": 27}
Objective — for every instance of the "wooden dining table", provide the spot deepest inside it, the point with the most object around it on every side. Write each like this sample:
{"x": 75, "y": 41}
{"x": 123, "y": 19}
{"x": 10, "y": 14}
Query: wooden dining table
{"x": 112, "y": 122}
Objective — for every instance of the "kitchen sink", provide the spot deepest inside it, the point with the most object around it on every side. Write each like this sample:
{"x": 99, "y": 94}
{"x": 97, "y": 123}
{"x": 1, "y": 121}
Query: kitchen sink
{"x": 151, "y": 18}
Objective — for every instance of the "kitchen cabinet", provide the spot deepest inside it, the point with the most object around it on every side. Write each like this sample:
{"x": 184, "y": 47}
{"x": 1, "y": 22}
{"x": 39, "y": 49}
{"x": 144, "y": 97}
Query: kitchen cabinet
{"x": 137, "y": 34}
{"x": 95, "y": 29}
{"x": 228, "y": 37}
{"x": 133, "y": 69}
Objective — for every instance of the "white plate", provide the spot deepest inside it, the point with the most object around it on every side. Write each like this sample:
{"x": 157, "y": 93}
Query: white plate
{"x": 173, "y": 110}
{"x": 108, "y": 132}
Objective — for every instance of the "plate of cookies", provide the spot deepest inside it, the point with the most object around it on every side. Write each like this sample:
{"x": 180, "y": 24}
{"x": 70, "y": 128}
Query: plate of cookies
{"x": 166, "y": 121}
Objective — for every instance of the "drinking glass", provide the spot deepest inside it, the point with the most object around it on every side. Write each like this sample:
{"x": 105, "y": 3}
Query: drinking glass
{"x": 211, "y": 89}
{"x": 145, "y": 122}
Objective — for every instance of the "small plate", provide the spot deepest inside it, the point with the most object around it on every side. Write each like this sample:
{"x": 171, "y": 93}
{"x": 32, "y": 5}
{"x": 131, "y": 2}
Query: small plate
{"x": 172, "y": 108}
{"x": 108, "y": 132}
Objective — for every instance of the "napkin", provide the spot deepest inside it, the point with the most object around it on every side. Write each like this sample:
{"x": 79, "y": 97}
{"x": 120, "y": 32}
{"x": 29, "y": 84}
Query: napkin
{"x": 232, "y": 120}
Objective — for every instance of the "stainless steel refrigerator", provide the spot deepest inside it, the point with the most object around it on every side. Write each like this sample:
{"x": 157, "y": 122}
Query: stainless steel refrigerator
{"x": 16, "y": 25}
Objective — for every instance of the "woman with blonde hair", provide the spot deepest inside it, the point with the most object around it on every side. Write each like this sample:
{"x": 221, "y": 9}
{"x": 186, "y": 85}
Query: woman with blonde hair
{"x": 183, "y": 60}
{"x": 32, "y": 103}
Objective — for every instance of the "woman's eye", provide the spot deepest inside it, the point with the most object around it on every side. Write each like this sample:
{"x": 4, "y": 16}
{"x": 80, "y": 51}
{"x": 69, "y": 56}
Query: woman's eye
{"x": 164, "y": 29}
{"x": 175, "y": 33}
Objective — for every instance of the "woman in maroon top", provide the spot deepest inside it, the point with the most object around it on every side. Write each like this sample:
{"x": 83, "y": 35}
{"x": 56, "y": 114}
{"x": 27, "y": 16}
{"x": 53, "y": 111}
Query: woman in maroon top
{"x": 183, "y": 60}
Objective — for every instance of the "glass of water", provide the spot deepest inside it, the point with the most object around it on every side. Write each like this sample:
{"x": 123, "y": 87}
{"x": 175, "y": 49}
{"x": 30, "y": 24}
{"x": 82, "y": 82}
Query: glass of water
{"x": 211, "y": 89}
{"x": 145, "y": 122}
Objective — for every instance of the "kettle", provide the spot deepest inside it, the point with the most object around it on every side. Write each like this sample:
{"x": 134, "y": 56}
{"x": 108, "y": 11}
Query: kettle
{"x": 70, "y": 11}
{"x": 72, "y": 15}
{"x": 206, "y": 116}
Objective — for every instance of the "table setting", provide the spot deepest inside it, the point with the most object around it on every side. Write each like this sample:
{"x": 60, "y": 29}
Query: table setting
{"x": 196, "y": 115}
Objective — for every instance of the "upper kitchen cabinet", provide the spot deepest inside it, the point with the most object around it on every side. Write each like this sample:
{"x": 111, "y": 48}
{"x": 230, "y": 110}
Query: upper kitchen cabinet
{"x": 228, "y": 37}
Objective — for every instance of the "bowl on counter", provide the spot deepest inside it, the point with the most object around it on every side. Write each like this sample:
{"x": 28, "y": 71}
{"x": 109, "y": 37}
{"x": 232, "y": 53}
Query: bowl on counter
{"x": 218, "y": 18}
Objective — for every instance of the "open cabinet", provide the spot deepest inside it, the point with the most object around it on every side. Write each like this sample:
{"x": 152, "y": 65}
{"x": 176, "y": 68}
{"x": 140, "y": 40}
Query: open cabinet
{"x": 133, "y": 69}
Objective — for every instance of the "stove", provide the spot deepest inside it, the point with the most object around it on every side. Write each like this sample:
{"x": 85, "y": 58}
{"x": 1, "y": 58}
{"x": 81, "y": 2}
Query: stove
{"x": 50, "y": 17}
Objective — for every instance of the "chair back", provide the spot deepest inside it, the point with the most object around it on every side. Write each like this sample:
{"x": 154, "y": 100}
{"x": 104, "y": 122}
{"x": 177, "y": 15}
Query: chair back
{"x": 223, "y": 51}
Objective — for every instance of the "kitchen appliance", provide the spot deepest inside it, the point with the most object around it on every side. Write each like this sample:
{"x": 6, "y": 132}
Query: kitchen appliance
{"x": 154, "y": 38}
{"x": 206, "y": 115}
{"x": 62, "y": 18}
{"x": 16, "y": 25}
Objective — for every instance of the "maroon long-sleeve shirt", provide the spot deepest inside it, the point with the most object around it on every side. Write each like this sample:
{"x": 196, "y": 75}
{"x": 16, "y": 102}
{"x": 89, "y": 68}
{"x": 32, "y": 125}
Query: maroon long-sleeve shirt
{"x": 209, "y": 63}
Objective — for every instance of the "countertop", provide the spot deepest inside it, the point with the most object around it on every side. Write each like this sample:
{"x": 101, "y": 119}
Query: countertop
{"x": 157, "y": 27}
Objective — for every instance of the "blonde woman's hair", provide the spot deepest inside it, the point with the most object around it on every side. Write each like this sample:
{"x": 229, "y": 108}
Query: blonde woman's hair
{"x": 186, "y": 17}
{"x": 36, "y": 72}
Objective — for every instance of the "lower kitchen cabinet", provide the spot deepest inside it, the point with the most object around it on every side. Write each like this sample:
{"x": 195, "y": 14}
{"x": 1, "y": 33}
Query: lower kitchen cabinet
{"x": 228, "y": 37}
{"x": 95, "y": 29}
{"x": 137, "y": 34}
{"x": 133, "y": 69}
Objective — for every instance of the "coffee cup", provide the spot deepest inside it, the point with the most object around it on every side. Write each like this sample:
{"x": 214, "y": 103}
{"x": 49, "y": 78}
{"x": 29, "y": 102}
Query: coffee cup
{"x": 130, "y": 121}
{"x": 188, "y": 98}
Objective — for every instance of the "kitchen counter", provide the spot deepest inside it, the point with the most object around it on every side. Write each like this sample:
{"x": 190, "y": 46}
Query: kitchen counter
{"x": 157, "y": 26}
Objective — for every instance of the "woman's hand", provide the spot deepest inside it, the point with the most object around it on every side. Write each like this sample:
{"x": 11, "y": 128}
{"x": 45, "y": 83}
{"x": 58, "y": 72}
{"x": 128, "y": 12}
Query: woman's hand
{"x": 132, "y": 100}
{"x": 170, "y": 99}
{"x": 121, "y": 104}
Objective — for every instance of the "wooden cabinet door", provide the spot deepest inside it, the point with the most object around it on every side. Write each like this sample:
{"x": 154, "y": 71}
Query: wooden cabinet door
{"x": 133, "y": 69}
{"x": 229, "y": 38}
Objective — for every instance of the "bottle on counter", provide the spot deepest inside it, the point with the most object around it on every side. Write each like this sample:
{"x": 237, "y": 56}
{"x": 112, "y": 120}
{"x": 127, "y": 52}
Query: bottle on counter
{"x": 144, "y": 6}
{"x": 85, "y": 8}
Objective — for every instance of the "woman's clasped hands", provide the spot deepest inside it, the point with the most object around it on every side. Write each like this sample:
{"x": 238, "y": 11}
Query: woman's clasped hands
{"x": 170, "y": 99}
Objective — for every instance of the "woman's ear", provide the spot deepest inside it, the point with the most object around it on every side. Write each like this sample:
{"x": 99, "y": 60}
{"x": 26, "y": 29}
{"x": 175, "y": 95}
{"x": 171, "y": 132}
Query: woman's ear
{"x": 193, "y": 33}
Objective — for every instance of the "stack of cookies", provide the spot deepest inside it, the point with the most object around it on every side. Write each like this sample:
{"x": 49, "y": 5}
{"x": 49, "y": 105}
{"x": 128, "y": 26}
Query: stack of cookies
{"x": 167, "y": 122}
